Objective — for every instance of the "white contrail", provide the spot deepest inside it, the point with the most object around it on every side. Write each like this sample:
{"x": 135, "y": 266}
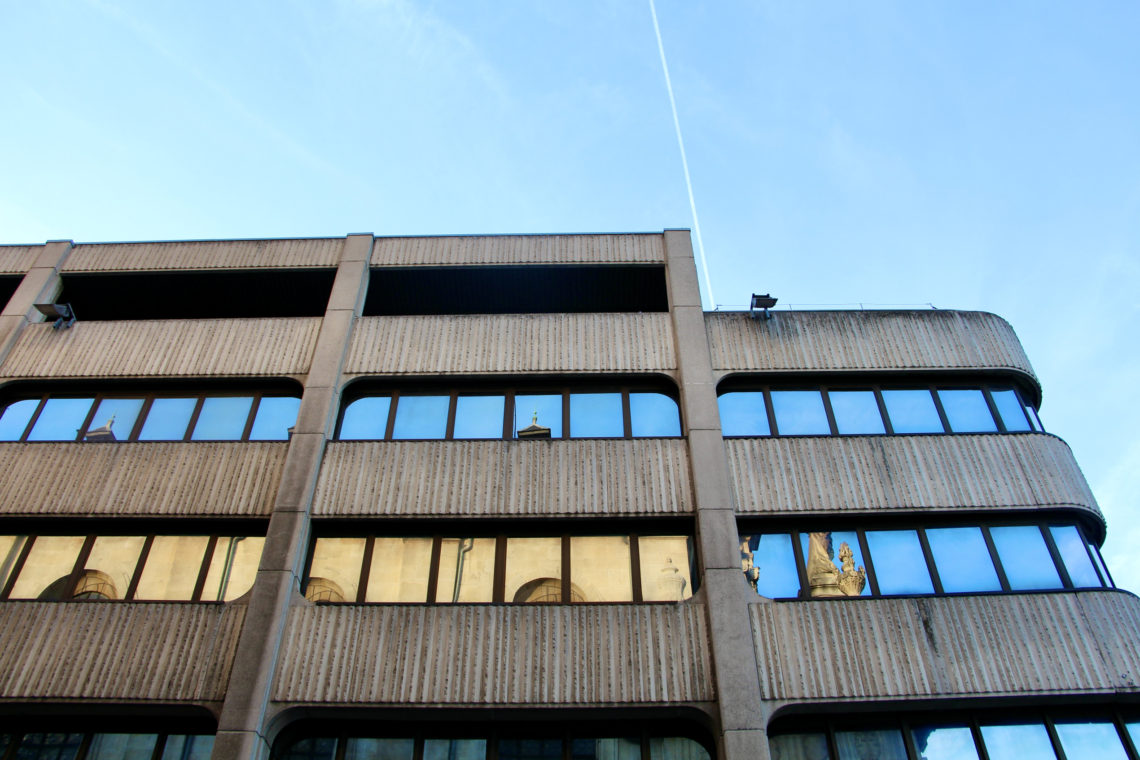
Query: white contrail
{"x": 684, "y": 160}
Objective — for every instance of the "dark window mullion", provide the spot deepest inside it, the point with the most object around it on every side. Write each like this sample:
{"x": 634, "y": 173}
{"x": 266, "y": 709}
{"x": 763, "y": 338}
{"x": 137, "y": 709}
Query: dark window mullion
{"x": 391, "y": 424}
{"x": 35, "y": 418}
{"x": 994, "y": 410}
{"x": 500, "y": 580}
{"x": 207, "y": 558}
{"x": 1125, "y": 737}
{"x": 136, "y": 576}
{"x": 1054, "y": 738}
{"x": 635, "y": 567}
{"x": 248, "y": 429}
{"x": 868, "y": 563}
{"x": 159, "y": 746}
{"x": 976, "y": 731}
{"x": 626, "y": 413}
{"x": 887, "y": 426}
{"x": 452, "y": 406}
{"x": 433, "y": 569}
{"x": 365, "y": 569}
{"x": 82, "y": 431}
{"x": 771, "y": 410}
{"x": 84, "y": 747}
{"x": 940, "y": 409}
{"x": 565, "y": 571}
{"x": 136, "y": 429}
{"x": 1062, "y": 571}
{"x": 18, "y": 567}
{"x": 801, "y": 568}
{"x": 996, "y": 560}
{"x": 509, "y": 415}
{"x": 68, "y": 591}
{"x": 908, "y": 740}
{"x": 341, "y": 746}
{"x": 566, "y": 413}
{"x": 823, "y": 391}
{"x": 935, "y": 578}
{"x": 193, "y": 423}
{"x": 832, "y": 746}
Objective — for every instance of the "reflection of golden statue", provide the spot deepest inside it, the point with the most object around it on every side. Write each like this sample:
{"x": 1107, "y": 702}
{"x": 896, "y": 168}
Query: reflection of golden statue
{"x": 824, "y": 578}
{"x": 851, "y": 581}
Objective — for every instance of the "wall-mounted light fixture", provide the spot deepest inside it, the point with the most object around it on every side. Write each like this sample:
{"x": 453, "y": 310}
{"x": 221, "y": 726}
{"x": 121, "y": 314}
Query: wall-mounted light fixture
{"x": 62, "y": 313}
{"x": 764, "y": 302}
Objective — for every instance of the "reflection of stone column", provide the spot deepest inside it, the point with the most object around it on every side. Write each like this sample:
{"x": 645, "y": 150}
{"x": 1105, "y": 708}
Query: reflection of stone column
{"x": 751, "y": 572}
{"x": 822, "y": 574}
{"x": 672, "y": 579}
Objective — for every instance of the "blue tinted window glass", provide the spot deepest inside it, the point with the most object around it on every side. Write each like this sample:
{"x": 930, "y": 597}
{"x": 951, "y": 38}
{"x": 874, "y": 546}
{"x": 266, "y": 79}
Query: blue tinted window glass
{"x": 1090, "y": 740}
{"x": 900, "y": 566}
{"x": 912, "y": 411}
{"x": 1034, "y": 419}
{"x": 188, "y": 747}
{"x": 856, "y": 413}
{"x": 653, "y": 414}
{"x": 1028, "y": 741}
{"x": 61, "y": 419}
{"x": 944, "y": 742}
{"x": 743, "y": 413}
{"x": 775, "y": 563}
{"x": 167, "y": 419}
{"x": 421, "y": 417}
{"x": 799, "y": 413}
{"x": 49, "y": 747}
{"x": 1100, "y": 566}
{"x": 275, "y": 415}
{"x": 596, "y": 415}
{"x": 16, "y": 417}
{"x": 962, "y": 559}
{"x": 222, "y": 418}
{"x": 119, "y": 413}
{"x": 1071, "y": 547}
{"x": 817, "y": 547}
{"x": 479, "y": 416}
{"x": 543, "y": 410}
{"x": 365, "y": 419}
{"x": 1010, "y": 408}
{"x": 1025, "y": 557}
{"x": 967, "y": 411}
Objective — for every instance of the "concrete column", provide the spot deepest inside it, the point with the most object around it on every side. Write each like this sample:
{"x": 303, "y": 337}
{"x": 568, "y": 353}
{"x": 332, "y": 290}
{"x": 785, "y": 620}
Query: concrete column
{"x": 41, "y": 284}
{"x": 242, "y": 722}
{"x": 742, "y": 723}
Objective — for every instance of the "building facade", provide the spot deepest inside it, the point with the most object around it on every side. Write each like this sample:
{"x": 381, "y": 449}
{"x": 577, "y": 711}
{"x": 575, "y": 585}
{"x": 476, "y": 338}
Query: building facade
{"x": 520, "y": 497}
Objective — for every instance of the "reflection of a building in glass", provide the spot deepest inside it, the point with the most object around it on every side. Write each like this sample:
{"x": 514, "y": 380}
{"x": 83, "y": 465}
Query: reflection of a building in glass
{"x": 321, "y": 527}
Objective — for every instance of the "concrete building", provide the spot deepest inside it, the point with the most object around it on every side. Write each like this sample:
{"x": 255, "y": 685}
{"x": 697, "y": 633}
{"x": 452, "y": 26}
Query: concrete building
{"x": 520, "y": 497}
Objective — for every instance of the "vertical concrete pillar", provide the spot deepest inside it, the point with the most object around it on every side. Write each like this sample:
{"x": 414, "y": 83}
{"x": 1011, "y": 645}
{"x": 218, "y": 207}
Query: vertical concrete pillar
{"x": 242, "y": 721}
{"x": 742, "y": 723}
{"x": 41, "y": 284}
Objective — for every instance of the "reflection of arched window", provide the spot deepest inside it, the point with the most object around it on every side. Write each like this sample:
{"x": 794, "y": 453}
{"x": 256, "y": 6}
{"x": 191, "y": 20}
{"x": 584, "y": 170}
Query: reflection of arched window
{"x": 546, "y": 590}
{"x": 92, "y": 584}
{"x": 323, "y": 590}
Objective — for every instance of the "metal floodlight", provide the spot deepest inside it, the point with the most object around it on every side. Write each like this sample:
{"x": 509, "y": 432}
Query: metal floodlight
{"x": 764, "y": 302}
{"x": 62, "y": 313}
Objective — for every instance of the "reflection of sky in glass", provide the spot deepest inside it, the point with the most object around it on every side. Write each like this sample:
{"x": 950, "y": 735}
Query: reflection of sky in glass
{"x": 121, "y": 747}
{"x": 479, "y": 416}
{"x": 1133, "y": 733}
{"x": 966, "y": 411}
{"x": 421, "y": 417}
{"x": 900, "y": 567}
{"x": 183, "y": 747}
{"x": 124, "y": 410}
{"x": 1018, "y": 742}
{"x": 800, "y": 413}
{"x": 548, "y": 407}
{"x": 653, "y": 414}
{"x": 912, "y": 411}
{"x": 455, "y": 749}
{"x": 1073, "y": 554}
{"x": 275, "y": 415}
{"x": 1034, "y": 419}
{"x": 962, "y": 559}
{"x": 1010, "y": 409}
{"x": 222, "y": 418}
{"x": 743, "y": 413}
{"x": 167, "y": 419}
{"x": 61, "y": 419}
{"x": 365, "y": 419}
{"x": 774, "y": 558}
{"x": 15, "y": 418}
{"x": 884, "y": 744}
{"x": 1090, "y": 740}
{"x": 1025, "y": 558}
{"x": 838, "y": 538}
{"x": 944, "y": 742}
{"x": 856, "y": 412}
{"x": 596, "y": 415}
{"x": 379, "y": 749}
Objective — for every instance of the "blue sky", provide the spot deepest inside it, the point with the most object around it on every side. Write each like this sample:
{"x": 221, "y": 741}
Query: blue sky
{"x": 973, "y": 155}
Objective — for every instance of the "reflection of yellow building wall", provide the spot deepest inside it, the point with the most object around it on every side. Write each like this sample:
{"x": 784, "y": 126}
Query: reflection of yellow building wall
{"x": 246, "y": 554}
{"x": 51, "y": 558}
{"x": 116, "y": 556}
{"x": 599, "y": 568}
{"x": 172, "y": 567}
{"x": 478, "y": 570}
{"x": 398, "y": 572}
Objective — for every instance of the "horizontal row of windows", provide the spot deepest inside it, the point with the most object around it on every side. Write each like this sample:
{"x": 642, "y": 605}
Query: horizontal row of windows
{"x": 152, "y": 567}
{"x": 105, "y": 746}
{"x": 987, "y": 736}
{"x": 875, "y": 411}
{"x": 531, "y": 745}
{"x": 915, "y": 561}
{"x": 516, "y": 569}
{"x": 510, "y": 414}
{"x": 150, "y": 417}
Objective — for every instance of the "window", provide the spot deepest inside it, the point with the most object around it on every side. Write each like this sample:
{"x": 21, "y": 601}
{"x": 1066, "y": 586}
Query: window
{"x": 875, "y": 410}
{"x": 56, "y": 744}
{"x": 908, "y": 561}
{"x": 496, "y": 413}
{"x": 205, "y": 568}
{"x": 145, "y": 416}
{"x": 472, "y": 567}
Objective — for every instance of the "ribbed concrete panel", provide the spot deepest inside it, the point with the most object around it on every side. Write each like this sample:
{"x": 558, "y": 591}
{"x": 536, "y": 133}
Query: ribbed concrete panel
{"x": 860, "y": 473}
{"x": 120, "y": 651}
{"x": 141, "y": 479}
{"x": 495, "y": 655}
{"x": 205, "y": 254}
{"x": 504, "y": 478}
{"x": 1114, "y": 619}
{"x": 169, "y": 347}
{"x": 17, "y": 259}
{"x": 518, "y": 249}
{"x": 864, "y": 340}
{"x": 512, "y": 343}
{"x": 954, "y": 646}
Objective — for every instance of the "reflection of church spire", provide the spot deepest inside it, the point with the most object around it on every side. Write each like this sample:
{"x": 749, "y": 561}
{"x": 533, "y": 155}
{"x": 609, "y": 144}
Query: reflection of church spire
{"x": 534, "y": 430}
{"x": 101, "y": 434}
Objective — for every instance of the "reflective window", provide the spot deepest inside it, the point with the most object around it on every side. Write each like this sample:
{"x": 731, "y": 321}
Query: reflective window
{"x": 834, "y": 564}
{"x": 1010, "y": 408}
{"x": 456, "y": 749}
{"x": 900, "y": 565}
{"x": 654, "y": 415}
{"x": 222, "y": 418}
{"x": 1018, "y": 741}
{"x": 379, "y": 749}
{"x": 967, "y": 411}
{"x": 275, "y": 415}
{"x": 121, "y": 746}
{"x": 35, "y": 745}
{"x": 172, "y": 567}
{"x": 856, "y": 413}
{"x": 466, "y": 570}
{"x": 114, "y": 419}
{"x": 168, "y": 419}
{"x": 1075, "y": 555}
{"x": 61, "y": 419}
{"x": 940, "y": 742}
{"x": 605, "y": 749}
{"x": 596, "y": 415}
{"x": 534, "y": 570}
{"x": 110, "y": 567}
{"x": 365, "y": 419}
{"x": 799, "y": 747}
{"x": 334, "y": 571}
{"x": 800, "y": 413}
{"x": 506, "y": 743}
{"x": 188, "y": 747}
{"x": 399, "y": 570}
{"x": 666, "y": 568}
{"x": 912, "y": 411}
{"x": 962, "y": 559}
{"x": 48, "y": 567}
{"x": 479, "y": 416}
{"x": 421, "y": 417}
{"x": 51, "y": 746}
{"x": 601, "y": 568}
{"x": 16, "y": 417}
{"x": 233, "y": 568}
{"x": 1025, "y": 557}
{"x": 544, "y": 410}
{"x": 773, "y": 564}
{"x": 1090, "y": 740}
{"x": 883, "y": 744}
{"x": 743, "y": 413}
